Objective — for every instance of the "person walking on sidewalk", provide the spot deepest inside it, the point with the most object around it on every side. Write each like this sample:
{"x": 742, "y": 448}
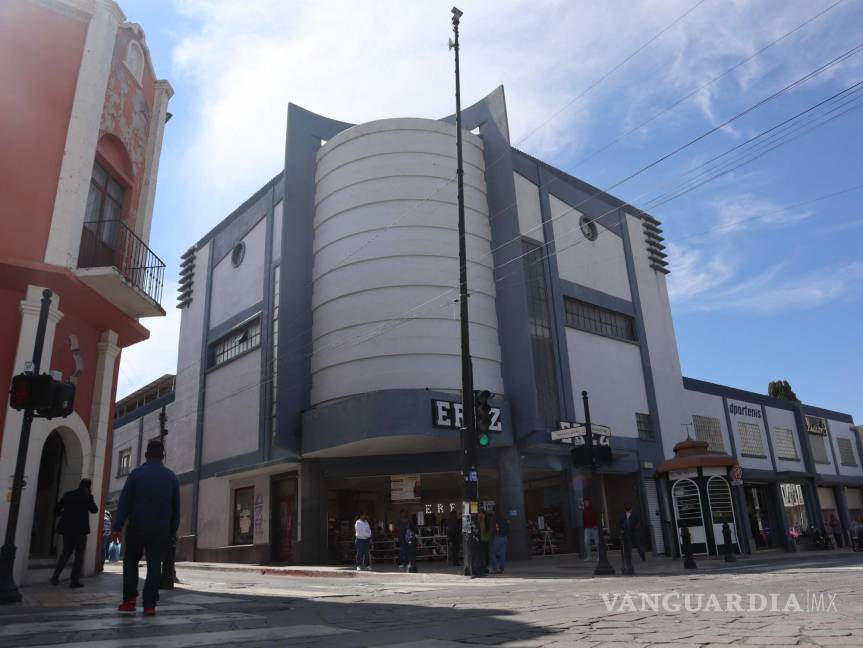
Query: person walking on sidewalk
{"x": 499, "y": 541}
{"x": 74, "y": 509}
{"x": 150, "y": 503}
{"x": 363, "y": 535}
{"x": 411, "y": 542}
{"x": 630, "y": 522}
{"x": 453, "y": 535}
{"x": 589, "y": 522}
{"x": 404, "y": 525}
{"x": 106, "y": 533}
{"x": 836, "y": 530}
{"x": 484, "y": 540}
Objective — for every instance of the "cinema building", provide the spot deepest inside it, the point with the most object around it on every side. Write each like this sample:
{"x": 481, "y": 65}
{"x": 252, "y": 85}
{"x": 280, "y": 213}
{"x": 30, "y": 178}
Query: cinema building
{"x": 319, "y": 372}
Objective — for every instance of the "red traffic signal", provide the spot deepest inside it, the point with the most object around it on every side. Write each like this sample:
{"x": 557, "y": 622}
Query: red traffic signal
{"x": 30, "y": 391}
{"x": 47, "y": 397}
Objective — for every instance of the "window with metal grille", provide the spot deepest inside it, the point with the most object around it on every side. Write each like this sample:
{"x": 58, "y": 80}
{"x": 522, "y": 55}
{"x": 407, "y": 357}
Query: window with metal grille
{"x": 545, "y": 374}
{"x": 124, "y": 462}
{"x": 593, "y": 319}
{"x": 645, "y": 429}
{"x": 751, "y": 442}
{"x": 819, "y": 448}
{"x": 707, "y": 429}
{"x": 846, "y": 452}
{"x": 275, "y": 357}
{"x": 240, "y": 340}
{"x": 783, "y": 442}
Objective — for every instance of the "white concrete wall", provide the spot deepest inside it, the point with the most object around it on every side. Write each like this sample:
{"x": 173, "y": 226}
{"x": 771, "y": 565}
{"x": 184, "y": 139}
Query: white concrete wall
{"x": 599, "y": 264}
{"x": 386, "y": 262}
{"x": 527, "y": 203}
{"x": 779, "y": 418}
{"x": 235, "y": 289}
{"x": 610, "y": 371}
{"x": 661, "y": 341}
{"x": 184, "y": 410}
{"x": 842, "y": 430}
{"x": 757, "y": 420}
{"x": 232, "y": 404}
{"x": 214, "y": 513}
{"x": 700, "y": 404}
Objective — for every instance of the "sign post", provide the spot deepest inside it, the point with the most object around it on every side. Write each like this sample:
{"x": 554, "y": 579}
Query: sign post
{"x": 603, "y": 567}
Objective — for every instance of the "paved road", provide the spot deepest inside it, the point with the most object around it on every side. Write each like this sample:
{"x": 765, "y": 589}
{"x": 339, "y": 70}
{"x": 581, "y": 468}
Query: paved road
{"x": 228, "y": 608}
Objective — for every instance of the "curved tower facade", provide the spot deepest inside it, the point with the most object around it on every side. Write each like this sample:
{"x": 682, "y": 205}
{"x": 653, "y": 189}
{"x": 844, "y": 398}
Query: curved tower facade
{"x": 385, "y": 273}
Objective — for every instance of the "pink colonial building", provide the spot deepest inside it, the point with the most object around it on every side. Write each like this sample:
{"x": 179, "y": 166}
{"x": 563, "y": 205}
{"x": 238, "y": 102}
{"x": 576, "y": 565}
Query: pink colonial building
{"x": 81, "y": 122}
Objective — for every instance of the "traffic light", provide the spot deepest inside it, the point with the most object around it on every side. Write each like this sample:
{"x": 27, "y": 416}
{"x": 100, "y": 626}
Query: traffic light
{"x": 30, "y": 391}
{"x": 482, "y": 417}
{"x": 46, "y": 396}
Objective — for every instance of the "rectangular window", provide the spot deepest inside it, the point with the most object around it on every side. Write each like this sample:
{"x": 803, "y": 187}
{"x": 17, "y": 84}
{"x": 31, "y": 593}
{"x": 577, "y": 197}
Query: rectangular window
{"x": 104, "y": 205}
{"x": 783, "y": 441}
{"x": 593, "y": 319}
{"x": 545, "y": 372}
{"x": 707, "y": 429}
{"x": 751, "y": 442}
{"x": 124, "y": 462}
{"x": 244, "y": 526}
{"x": 645, "y": 429}
{"x": 819, "y": 448}
{"x": 275, "y": 357}
{"x": 237, "y": 342}
{"x": 846, "y": 452}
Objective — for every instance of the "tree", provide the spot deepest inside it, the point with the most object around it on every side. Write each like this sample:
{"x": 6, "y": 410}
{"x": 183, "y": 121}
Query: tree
{"x": 781, "y": 389}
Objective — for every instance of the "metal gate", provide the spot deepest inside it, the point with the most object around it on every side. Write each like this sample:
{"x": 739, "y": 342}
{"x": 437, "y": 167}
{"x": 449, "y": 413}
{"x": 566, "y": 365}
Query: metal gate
{"x": 654, "y": 518}
{"x": 687, "y": 510}
{"x": 721, "y": 510}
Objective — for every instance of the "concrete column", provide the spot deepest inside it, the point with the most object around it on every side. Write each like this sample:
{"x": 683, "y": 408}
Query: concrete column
{"x": 82, "y": 135}
{"x": 30, "y": 307}
{"x": 781, "y": 523}
{"x": 741, "y": 512}
{"x": 97, "y": 465}
{"x": 511, "y": 499}
{"x": 844, "y": 518}
{"x": 312, "y": 506}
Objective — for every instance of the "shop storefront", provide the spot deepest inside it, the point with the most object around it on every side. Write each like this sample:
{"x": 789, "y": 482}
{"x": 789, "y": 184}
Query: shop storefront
{"x": 429, "y": 500}
{"x": 763, "y": 513}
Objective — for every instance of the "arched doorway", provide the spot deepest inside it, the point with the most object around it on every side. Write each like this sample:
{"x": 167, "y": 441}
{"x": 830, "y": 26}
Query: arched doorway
{"x": 60, "y": 469}
{"x": 688, "y": 512}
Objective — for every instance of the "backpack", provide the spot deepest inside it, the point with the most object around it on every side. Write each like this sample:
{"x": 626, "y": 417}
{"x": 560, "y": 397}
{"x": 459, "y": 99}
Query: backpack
{"x": 410, "y": 537}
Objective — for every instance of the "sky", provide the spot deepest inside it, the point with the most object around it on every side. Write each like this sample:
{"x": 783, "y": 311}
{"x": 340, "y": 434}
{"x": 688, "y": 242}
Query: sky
{"x": 766, "y": 258}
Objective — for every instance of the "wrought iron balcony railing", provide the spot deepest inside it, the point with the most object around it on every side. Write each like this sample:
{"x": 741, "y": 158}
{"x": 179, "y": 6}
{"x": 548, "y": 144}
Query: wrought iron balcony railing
{"x": 110, "y": 243}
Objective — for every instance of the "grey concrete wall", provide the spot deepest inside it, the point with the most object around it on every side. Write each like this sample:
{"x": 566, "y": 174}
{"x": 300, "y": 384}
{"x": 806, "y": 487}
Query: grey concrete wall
{"x": 232, "y": 404}
{"x": 236, "y": 289}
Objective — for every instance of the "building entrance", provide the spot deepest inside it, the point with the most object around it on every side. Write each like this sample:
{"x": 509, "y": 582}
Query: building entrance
{"x": 52, "y": 469}
{"x": 762, "y": 516}
{"x": 284, "y": 519}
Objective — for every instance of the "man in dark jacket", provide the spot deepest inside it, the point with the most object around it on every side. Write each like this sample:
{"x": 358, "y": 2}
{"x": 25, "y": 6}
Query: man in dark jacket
{"x": 150, "y": 502}
{"x": 630, "y": 523}
{"x": 453, "y": 534}
{"x": 74, "y": 510}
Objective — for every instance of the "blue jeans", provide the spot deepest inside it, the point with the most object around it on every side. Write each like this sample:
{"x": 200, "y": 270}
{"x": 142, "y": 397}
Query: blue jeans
{"x": 498, "y": 552}
{"x": 363, "y": 552}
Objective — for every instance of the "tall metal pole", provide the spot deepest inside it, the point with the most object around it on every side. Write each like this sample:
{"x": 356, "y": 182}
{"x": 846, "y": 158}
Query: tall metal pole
{"x": 169, "y": 573}
{"x": 470, "y": 484}
{"x": 603, "y": 567}
{"x": 8, "y": 590}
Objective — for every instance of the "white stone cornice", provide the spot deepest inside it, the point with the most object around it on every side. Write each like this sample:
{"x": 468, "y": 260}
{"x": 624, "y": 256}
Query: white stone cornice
{"x": 33, "y": 310}
{"x": 113, "y": 9}
{"x": 165, "y": 87}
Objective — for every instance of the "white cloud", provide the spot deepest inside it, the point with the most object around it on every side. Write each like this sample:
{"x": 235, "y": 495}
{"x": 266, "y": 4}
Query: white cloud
{"x": 144, "y": 362}
{"x": 692, "y": 275}
{"x": 364, "y": 61}
{"x": 737, "y": 213}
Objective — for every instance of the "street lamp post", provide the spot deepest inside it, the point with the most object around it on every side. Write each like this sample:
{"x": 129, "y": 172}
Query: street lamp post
{"x": 603, "y": 567}
{"x": 470, "y": 481}
{"x": 8, "y": 590}
{"x": 169, "y": 573}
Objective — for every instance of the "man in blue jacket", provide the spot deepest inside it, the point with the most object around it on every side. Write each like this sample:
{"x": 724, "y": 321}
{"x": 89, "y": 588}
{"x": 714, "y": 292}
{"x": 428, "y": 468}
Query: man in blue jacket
{"x": 150, "y": 502}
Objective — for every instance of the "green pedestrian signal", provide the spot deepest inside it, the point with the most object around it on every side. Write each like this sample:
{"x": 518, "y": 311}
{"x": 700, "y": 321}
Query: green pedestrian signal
{"x": 482, "y": 411}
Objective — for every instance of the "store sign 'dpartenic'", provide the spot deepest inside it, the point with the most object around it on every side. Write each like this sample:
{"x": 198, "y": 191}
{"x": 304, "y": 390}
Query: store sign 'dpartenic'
{"x": 743, "y": 410}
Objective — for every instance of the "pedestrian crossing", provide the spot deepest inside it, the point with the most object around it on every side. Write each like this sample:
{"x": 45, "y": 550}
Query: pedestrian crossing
{"x": 177, "y": 625}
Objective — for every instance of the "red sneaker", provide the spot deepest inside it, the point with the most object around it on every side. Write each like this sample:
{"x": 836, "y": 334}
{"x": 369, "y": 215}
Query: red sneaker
{"x": 127, "y": 606}
{"x": 150, "y": 611}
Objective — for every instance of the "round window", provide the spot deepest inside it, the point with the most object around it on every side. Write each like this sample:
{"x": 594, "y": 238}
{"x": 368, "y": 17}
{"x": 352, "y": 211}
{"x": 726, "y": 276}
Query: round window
{"x": 237, "y": 254}
{"x": 588, "y": 228}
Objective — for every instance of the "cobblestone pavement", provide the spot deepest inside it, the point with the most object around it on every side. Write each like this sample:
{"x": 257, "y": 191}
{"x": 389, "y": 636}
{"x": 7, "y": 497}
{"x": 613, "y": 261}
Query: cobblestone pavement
{"x": 230, "y": 608}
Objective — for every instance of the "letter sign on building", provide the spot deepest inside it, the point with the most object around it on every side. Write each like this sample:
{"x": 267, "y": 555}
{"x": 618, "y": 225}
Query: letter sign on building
{"x": 449, "y": 415}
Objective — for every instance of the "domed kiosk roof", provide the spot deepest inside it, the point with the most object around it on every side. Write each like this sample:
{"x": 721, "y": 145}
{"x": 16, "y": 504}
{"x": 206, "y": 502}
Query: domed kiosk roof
{"x": 692, "y": 453}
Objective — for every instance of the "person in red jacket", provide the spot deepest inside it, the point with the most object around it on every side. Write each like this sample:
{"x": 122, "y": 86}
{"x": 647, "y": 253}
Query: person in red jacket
{"x": 589, "y": 522}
